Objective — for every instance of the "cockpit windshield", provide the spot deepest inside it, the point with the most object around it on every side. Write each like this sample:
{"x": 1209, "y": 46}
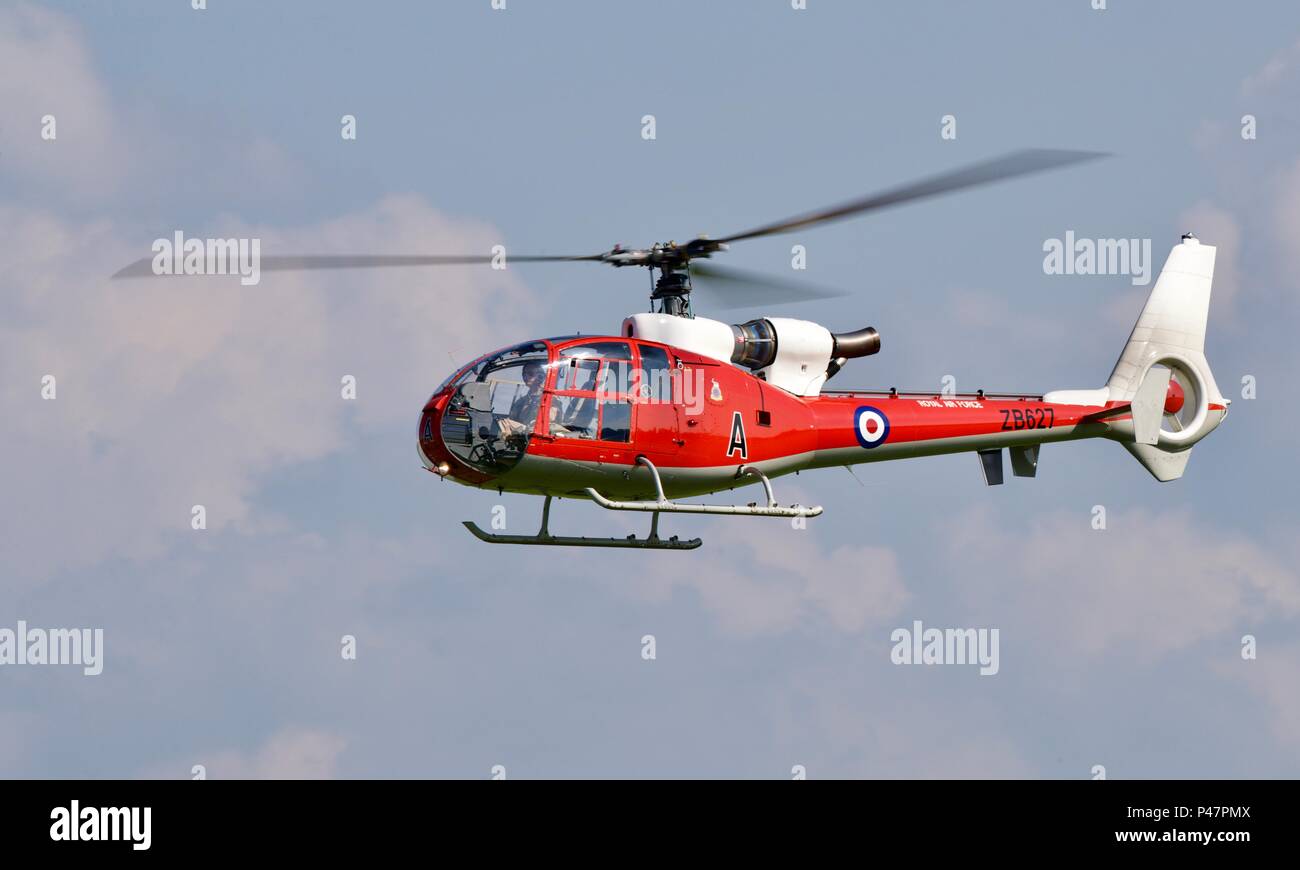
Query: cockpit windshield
{"x": 494, "y": 407}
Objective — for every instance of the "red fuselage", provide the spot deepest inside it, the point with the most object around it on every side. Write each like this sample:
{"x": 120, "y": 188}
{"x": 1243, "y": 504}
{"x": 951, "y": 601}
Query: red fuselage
{"x": 600, "y": 402}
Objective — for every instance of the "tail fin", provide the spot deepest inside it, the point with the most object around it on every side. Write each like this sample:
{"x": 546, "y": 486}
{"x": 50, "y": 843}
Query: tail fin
{"x": 1163, "y": 372}
{"x": 1173, "y": 320}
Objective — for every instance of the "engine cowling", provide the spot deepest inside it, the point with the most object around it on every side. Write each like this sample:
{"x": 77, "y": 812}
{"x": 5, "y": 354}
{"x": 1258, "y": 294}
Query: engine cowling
{"x": 795, "y": 355}
{"x": 798, "y": 355}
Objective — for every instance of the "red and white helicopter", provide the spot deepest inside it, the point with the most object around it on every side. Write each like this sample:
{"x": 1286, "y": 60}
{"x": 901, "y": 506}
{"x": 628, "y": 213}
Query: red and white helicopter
{"x": 675, "y": 406}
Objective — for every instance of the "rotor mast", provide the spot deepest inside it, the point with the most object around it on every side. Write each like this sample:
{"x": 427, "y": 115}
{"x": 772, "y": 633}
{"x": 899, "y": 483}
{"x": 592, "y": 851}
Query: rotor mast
{"x": 672, "y": 289}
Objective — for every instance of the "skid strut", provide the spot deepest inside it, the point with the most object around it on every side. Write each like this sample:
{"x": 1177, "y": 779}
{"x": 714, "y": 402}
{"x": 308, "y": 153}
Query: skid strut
{"x": 662, "y": 504}
{"x": 544, "y": 537}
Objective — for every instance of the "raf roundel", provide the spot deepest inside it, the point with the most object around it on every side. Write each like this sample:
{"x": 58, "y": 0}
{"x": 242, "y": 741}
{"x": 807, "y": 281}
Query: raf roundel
{"x": 871, "y": 426}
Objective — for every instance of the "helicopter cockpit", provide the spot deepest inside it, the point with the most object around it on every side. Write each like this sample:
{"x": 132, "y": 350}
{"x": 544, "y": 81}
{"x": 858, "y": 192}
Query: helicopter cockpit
{"x": 494, "y": 406}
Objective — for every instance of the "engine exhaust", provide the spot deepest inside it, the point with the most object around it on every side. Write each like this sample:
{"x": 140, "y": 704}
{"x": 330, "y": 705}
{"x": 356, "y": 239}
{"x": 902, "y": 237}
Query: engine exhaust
{"x": 851, "y": 345}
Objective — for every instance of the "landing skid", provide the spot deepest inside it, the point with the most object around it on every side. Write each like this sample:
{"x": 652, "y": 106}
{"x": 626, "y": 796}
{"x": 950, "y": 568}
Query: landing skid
{"x": 659, "y": 505}
{"x": 544, "y": 537}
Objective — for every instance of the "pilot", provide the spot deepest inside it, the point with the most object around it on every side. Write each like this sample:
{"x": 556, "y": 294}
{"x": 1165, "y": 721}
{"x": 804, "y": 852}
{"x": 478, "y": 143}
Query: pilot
{"x": 523, "y": 411}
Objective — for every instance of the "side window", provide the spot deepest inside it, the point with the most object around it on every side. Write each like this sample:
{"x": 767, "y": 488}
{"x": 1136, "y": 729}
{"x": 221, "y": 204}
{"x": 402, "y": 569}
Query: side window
{"x": 603, "y": 349}
{"x": 591, "y": 399}
{"x": 577, "y": 374}
{"x": 615, "y": 401}
{"x": 573, "y": 416}
{"x": 656, "y": 376}
{"x": 615, "y": 379}
{"x": 615, "y": 420}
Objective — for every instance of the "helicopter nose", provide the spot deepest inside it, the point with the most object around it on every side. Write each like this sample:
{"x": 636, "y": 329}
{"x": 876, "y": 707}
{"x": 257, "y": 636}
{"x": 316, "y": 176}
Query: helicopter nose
{"x": 429, "y": 444}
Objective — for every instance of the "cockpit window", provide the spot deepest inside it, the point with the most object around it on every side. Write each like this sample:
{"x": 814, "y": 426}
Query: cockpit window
{"x": 456, "y": 376}
{"x": 505, "y": 359}
{"x": 494, "y": 408}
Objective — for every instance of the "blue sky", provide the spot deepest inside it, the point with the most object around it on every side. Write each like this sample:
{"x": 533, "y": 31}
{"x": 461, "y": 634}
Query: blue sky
{"x": 1118, "y": 648}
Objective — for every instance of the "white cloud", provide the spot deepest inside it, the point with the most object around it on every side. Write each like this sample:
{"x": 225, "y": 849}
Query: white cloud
{"x": 291, "y": 753}
{"x": 763, "y": 577}
{"x": 1278, "y": 68}
{"x": 1274, "y": 677}
{"x": 978, "y": 311}
{"x": 911, "y": 740}
{"x": 1287, "y": 219}
{"x": 175, "y": 392}
{"x": 831, "y": 718}
{"x": 112, "y": 147}
{"x": 1146, "y": 586}
{"x": 18, "y": 733}
{"x": 45, "y": 69}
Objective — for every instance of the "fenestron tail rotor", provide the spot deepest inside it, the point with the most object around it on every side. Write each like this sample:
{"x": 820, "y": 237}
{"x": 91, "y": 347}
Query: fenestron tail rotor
{"x": 1182, "y": 403}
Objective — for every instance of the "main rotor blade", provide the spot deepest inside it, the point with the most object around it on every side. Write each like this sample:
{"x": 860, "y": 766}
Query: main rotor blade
{"x": 144, "y": 267}
{"x": 1008, "y": 166}
{"x": 736, "y": 288}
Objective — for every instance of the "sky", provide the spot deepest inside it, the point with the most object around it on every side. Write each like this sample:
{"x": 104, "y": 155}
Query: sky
{"x": 1121, "y": 649}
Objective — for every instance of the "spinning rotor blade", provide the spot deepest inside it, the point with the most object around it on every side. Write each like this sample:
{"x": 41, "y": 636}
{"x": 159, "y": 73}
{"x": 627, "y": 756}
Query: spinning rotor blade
{"x": 736, "y": 288}
{"x": 144, "y": 267}
{"x": 1009, "y": 166}
{"x": 672, "y": 256}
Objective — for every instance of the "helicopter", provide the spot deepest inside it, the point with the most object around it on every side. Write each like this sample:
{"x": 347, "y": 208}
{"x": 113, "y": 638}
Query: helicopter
{"x": 676, "y": 406}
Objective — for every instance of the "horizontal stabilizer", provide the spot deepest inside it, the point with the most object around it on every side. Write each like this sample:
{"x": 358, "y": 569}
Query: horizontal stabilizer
{"x": 1163, "y": 465}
